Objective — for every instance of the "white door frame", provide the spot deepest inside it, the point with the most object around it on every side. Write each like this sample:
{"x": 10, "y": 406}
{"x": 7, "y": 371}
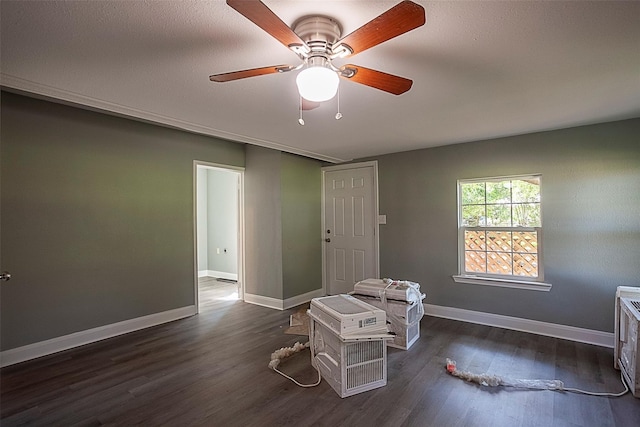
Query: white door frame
{"x": 376, "y": 241}
{"x": 241, "y": 256}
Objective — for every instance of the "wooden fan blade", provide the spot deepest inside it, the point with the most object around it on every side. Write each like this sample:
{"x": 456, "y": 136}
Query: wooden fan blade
{"x": 387, "y": 82}
{"x": 401, "y": 18}
{"x": 243, "y": 74}
{"x": 258, "y": 13}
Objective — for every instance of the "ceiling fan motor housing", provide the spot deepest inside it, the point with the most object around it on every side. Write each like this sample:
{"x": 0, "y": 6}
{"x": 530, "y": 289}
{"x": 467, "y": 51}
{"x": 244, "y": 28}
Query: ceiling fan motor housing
{"x": 319, "y": 33}
{"x": 318, "y": 28}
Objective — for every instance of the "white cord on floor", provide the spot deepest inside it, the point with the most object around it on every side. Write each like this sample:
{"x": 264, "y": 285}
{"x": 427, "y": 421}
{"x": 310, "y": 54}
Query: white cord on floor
{"x": 284, "y": 352}
{"x": 296, "y": 382}
{"x": 591, "y": 393}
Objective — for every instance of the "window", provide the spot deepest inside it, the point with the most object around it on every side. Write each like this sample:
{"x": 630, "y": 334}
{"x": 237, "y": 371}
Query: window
{"x": 500, "y": 226}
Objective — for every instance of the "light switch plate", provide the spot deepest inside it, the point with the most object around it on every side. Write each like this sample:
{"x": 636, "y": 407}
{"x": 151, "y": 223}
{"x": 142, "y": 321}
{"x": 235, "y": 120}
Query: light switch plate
{"x": 382, "y": 219}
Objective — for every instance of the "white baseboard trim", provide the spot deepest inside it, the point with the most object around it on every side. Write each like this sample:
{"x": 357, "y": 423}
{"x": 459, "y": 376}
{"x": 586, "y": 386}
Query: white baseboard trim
{"x": 264, "y": 301}
{"x": 65, "y": 342}
{"x": 279, "y": 304}
{"x": 301, "y": 299}
{"x": 571, "y": 333}
{"x": 217, "y": 274}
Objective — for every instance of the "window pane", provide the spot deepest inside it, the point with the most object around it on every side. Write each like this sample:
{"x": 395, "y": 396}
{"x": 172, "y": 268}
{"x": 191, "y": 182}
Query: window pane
{"x": 475, "y": 262}
{"x": 499, "y": 241}
{"x": 501, "y": 221}
{"x": 473, "y": 193}
{"x": 498, "y": 216}
{"x": 499, "y": 192}
{"x": 526, "y": 191}
{"x": 525, "y": 241}
{"x": 499, "y": 263}
{"x": 473, "y": 216}
{"x": 474, "y": 240}
{"x": 525, "y": 265}
{"x": 526, "y": 215}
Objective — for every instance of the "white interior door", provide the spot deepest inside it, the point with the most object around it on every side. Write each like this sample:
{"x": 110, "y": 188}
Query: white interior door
{"x": 350, "y": 226}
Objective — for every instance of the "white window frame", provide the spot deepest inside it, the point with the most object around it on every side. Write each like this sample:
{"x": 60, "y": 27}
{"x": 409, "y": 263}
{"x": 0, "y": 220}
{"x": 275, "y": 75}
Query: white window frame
{"x": 488, "y": 279}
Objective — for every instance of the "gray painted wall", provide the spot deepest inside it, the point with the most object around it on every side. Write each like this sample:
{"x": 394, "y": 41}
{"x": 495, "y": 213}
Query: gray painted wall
{"x": 217, "y": 192}
{"x": 97, "y": 218}
{"x": 282, "y": 223}
{"x": 222, "y": 215}
{"x": 591, "y": 220}
{"x": 301, "y": 225}
{"x": 262, "y": 222}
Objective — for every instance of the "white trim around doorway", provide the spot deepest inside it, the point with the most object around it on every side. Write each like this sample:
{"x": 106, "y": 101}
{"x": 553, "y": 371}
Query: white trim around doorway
{"x": 241, "y": 230}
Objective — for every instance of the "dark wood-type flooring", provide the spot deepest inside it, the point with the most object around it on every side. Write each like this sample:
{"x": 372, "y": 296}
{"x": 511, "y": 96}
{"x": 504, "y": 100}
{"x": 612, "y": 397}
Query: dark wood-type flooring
{"x": 211, "y": 370}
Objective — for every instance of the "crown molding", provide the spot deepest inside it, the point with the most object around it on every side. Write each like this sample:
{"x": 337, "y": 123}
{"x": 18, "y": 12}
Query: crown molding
{"x": 30, "y": 88}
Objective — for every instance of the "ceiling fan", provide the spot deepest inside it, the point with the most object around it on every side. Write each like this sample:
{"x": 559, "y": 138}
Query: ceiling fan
{"x": 317, "y": 41}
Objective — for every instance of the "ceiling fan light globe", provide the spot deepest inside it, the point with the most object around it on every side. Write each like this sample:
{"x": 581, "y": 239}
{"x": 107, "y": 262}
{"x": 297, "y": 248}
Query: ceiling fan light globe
{"x": 317, "y": 84}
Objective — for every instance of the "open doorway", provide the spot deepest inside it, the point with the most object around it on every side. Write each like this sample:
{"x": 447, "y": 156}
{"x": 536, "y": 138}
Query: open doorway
{"x": 218, "y": 234}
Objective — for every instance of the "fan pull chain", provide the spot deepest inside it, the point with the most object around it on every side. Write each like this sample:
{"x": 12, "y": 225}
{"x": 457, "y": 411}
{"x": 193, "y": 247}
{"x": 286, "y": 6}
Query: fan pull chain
{"x": 301, "y": 120}
{"x": 338, "y": 114}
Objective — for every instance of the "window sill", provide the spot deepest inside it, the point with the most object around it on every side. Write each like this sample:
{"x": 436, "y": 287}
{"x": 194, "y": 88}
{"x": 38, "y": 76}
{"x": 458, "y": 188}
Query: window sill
{"x": 505, "y": 283}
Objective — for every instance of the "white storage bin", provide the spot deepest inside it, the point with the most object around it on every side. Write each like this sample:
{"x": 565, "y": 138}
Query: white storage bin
{"x": 350, "y": 366}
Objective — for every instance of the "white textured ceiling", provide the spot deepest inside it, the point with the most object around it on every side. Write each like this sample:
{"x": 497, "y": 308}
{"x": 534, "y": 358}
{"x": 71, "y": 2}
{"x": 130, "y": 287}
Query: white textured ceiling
{"x": 480, "y": 69}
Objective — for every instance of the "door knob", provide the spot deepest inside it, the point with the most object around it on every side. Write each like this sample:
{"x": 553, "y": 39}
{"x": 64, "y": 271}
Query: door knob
{"x": 328, "y": 240}
{"x": 5, "y": 276}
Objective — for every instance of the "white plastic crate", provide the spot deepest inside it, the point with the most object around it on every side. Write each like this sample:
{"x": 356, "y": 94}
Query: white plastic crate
{"x": 349, "y": 366}
{"x": 403, "y": 320}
